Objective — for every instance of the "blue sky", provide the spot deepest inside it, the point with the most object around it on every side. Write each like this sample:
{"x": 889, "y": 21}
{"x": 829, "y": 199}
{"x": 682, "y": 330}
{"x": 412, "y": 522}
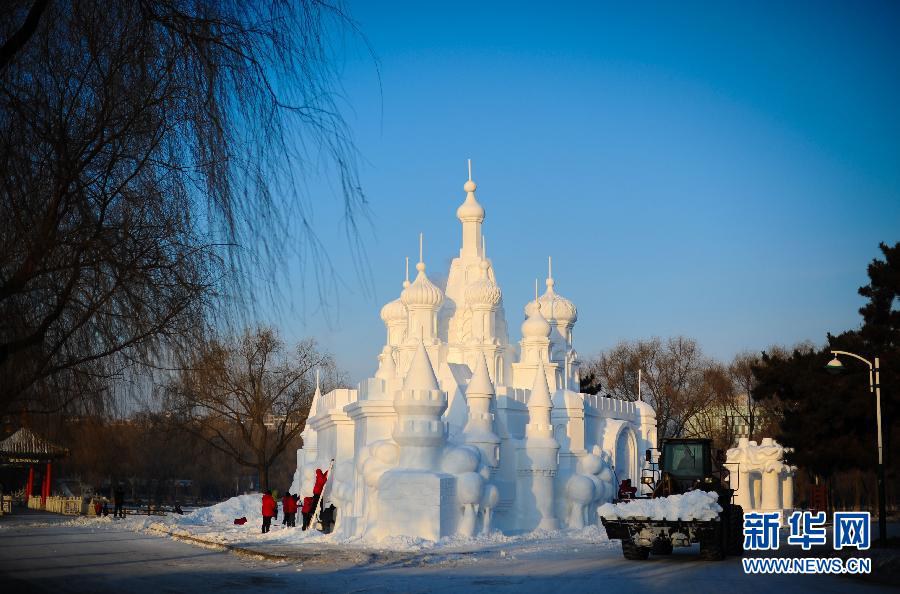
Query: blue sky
{"x": 723, "y": 171}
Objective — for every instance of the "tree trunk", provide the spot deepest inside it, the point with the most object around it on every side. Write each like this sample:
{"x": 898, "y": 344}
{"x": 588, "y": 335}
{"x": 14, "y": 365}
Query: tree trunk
{"x": 262, "y": 471}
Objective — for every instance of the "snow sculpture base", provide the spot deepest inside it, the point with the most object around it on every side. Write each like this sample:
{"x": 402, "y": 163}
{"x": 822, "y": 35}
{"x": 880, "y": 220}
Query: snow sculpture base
{"x": 417, "y": 503}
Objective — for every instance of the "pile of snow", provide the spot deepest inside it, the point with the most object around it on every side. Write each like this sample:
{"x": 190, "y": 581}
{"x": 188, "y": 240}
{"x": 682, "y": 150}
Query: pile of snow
{"x": 225, "y": 513}
{"x": 694, "y": 505}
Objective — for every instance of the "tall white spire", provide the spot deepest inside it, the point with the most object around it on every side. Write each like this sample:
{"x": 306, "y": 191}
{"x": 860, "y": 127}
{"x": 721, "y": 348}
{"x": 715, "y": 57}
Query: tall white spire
{"x": 479, "y": 430}
{"x": 471, "y": 214}
{"x": 421, "y": 372}
{"x": 539, "y": 402}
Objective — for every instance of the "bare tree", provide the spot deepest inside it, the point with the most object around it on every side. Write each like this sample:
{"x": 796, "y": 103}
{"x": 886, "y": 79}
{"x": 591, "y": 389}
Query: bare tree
{"x": 152, "y": 153}
{"x": 743, "y": 405}
{"x": 248, "y": 397}
{"x": 677, "y": 379}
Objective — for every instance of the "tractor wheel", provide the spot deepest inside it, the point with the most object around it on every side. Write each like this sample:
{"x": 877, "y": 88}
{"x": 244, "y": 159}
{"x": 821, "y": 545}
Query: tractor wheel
{"x": 661, "y": 547}
{"x": 633, "y": 552}
{"x": 712, "y": 546}
{"x": 736, "y": 531}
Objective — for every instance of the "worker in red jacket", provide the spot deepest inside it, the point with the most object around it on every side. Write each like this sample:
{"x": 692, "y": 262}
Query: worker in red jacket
{"x": 307, "y": 511}
{"x": 321, "y": 479}
{"x": 285, "y": 509}
{"x": 289, "y": 505}
{"x": 269, "y": 510}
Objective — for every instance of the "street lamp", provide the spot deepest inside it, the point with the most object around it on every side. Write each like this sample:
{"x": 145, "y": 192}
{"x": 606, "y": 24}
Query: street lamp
{"x": 835, "y": 366}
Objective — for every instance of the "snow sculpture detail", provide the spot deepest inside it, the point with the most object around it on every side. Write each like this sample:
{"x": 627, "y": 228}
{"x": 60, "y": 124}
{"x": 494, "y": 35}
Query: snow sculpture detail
{"x": 461, "y": 431}
{"x": 764, "y": 482}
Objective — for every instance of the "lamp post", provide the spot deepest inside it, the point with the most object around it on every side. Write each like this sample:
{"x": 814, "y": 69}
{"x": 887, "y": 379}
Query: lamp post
{"x": 835, "y": 366}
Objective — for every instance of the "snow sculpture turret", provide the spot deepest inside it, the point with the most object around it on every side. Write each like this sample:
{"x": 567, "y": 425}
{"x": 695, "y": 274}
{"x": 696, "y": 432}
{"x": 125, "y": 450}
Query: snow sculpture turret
{"x": 538, "y": 454}
{"x": 561, "y": 314}
{"x": 422, "y": 299}
{"x": 471, "y": 215}
{"x": 396, "y": 317}
{"x": 310, "y": 439}
{"x": 534, "y": 347}
{"x": 420, "y": 432}
{"x": 387, "y": 367}
{"x": 483, "y": 297}
{"x": 479, "y": 430}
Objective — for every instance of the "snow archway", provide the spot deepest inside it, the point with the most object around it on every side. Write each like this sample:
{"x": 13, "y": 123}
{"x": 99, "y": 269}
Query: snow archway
{"x": 620, "y": 441}
{"x": 626, "y": 455}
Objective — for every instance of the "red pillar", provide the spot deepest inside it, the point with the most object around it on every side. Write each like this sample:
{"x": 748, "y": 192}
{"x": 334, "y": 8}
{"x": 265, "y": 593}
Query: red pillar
{"x": 45, "y": 492}
{"x": 30, "y": 484}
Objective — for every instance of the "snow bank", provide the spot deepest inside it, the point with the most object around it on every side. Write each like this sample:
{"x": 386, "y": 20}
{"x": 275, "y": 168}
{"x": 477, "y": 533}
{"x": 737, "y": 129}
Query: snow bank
{"x": 225, "y": 513}
{"x": 694, "y": 505}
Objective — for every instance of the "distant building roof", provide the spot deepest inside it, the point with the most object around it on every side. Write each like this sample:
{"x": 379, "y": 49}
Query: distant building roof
{"x": 25, "y": 446}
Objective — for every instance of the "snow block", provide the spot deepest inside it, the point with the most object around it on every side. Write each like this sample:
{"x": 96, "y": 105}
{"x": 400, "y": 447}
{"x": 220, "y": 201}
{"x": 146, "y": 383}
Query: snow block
{"x": 417, "y": 503}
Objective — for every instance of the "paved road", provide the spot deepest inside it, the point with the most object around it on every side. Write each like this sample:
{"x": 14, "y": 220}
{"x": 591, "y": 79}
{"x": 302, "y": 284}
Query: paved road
{"x": 41, "y": 554}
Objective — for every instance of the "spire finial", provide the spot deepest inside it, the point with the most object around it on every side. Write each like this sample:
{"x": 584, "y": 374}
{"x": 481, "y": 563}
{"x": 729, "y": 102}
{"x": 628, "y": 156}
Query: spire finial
{"x": 406, "y": 282}
{"x": 317, "y": 381}
{"x": 550, "y": 281}
{"x": 535, "y": 289}
{"x": 470, "y": 186}
{"x": 421, "y": 265}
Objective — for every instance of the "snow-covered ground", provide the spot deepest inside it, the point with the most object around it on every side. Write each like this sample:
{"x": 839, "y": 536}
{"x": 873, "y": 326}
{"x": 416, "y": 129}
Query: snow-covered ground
{"x": 140, "y": 554}
{"x": 215, "y": 524}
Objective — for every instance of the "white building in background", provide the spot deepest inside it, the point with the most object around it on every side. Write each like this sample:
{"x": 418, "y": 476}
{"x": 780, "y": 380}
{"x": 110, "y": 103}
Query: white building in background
{"x": 461, "y": 431}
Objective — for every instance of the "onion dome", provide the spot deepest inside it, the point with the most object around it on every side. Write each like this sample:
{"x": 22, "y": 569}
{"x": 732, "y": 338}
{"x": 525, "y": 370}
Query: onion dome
{"x": 393, "y": 311}
{"x": 556, "y": 307}
{"x": 535, "y": 325}
{"x": 422, "y": 292}
{"x": 470, "y": 210}
{"x": 483, "y": 291}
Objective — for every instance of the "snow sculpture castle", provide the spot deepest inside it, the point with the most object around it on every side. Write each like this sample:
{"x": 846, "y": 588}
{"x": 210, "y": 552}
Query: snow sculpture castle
{"x": 461, "y": 431}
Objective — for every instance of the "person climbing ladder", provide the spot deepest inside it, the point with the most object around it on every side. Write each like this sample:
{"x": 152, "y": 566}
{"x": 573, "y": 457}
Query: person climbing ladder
{"x": 321, "y": 479}
{"x": 319, "y": 486}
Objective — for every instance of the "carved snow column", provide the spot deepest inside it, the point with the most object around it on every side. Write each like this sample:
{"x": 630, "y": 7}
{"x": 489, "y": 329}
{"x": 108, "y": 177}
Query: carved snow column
{"x": 737, "y": 456}
{"x": 744, "y": 495}
{"x": 420, "y": 432}
{"x": 787, "y": 487}
{"x": 647, "y": 439}
{"x": 479, "y": 430}
{"x": 771, "y": 485}
{"x": 538, "y": 457}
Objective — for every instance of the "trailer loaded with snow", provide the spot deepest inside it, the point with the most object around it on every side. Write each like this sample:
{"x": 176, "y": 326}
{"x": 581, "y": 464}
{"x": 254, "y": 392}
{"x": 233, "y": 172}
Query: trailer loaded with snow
{"x": 690, "y": 501}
